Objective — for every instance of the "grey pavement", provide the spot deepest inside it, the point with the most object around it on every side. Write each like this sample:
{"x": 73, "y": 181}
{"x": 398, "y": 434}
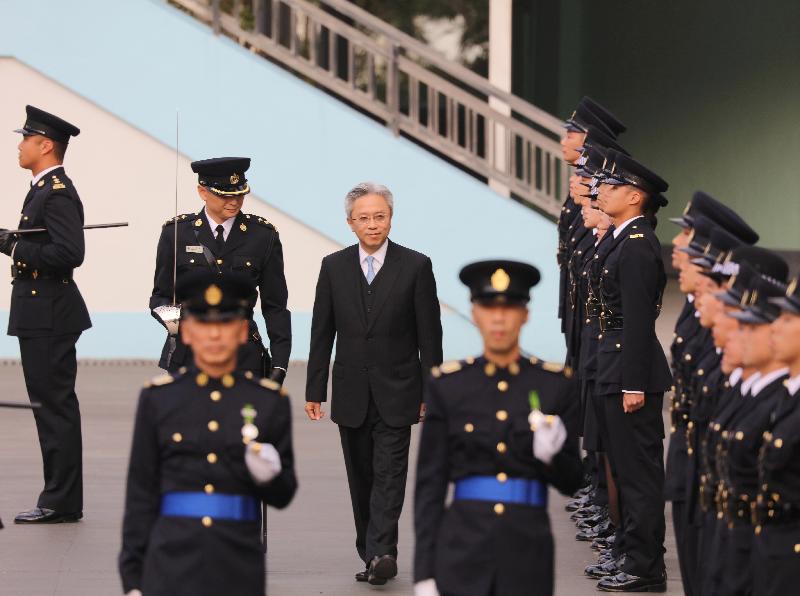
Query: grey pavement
{"x": 311, "y": 547}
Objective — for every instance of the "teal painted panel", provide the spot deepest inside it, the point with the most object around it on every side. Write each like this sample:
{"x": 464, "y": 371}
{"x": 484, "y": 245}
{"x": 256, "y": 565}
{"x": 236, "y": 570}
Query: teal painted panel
{"x": 144, "y": 59}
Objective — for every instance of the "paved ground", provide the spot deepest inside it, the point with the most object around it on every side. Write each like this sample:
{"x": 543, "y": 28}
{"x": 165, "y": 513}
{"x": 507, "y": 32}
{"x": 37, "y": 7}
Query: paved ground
{"x": 310, "y": 547}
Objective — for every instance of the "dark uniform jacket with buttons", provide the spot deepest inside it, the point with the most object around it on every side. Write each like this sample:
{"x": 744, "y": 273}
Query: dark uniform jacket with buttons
{"x": 574, "y": 314}
{"x": 45, "y": 301}
{"x": 477, "y": 424}
{"x": 569, "y": 214}
{"x": 188, "y": 437}
{"x": 632, "y": 283}
{"x": 253, "y": 247}
{"x": 386, "y": 333}
{"x": 589, "y": 292}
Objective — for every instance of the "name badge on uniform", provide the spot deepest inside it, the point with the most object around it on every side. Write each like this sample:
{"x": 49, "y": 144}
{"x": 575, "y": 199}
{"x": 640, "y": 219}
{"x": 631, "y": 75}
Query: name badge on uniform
{"x": 197, "y": 249}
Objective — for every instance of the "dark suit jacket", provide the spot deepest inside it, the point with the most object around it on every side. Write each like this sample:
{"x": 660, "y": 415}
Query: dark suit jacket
{"x": 45, "y": 300}
{"x": 384, "y": 353}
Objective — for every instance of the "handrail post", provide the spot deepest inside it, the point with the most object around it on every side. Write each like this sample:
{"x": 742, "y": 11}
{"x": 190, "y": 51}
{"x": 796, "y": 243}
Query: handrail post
{"x": 393, "y": 90}
{"x": 215, "y": 17}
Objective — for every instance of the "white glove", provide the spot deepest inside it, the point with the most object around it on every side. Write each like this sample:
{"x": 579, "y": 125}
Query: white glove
{"x": 170, "y": 317}
{"x": 134, "y": 593}
{"x": 263, "y": 461}
{"x": 427, "y": 587}
{"x": 549, "y": 434}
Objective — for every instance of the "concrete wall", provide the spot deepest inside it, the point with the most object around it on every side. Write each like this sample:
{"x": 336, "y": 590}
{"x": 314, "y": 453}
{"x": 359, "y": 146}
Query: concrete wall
{"x": 124, "y": 72}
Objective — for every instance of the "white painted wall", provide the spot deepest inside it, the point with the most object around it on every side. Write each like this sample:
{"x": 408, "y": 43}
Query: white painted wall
{"x": 123, "y": 174}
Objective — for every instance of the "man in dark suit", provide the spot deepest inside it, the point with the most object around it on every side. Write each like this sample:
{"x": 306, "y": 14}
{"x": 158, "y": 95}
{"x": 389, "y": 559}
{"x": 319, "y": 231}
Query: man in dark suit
{"x": 378, "y": 300}
{"x": 223, "y": 239}
{"x": 48, "y": 313}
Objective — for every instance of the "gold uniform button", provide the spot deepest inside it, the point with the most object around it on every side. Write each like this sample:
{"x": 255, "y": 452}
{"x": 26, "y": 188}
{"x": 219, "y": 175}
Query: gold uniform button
{"x": 679, "y": 340}
{"x": 191, "y": 260}
{"x": 213, "y": 426}
{"x": 202, "y": 379}
{"x": 228, "y": 381}
{"x": 208, "y": 488}
{"x": 500, "y": 509}
{"x": 797, "y": 548}
{"x": 219, "y": 261}
{"x": 502, "y": 415}
{"x": 778, "y": 443}
{"x": 248, "y": 264}
{"x": 501, "y": 447}
{"x": 502, "y": 477}
{"x": 739, "y": 435}
{"x": 177, "y": 437}
{"x": 207, "y": 521}
{"x": 212, "y": 458}
{"x": 216, "y": 396}
{"x": 33, "y": 292}
{"x": 502, "y": 386}
{"x": 469, "y": 427}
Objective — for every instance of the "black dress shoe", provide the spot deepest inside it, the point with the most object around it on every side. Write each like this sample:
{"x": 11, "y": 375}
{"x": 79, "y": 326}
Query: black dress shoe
{"x": 381, "y": 569}
{"x": 600, "y": 570}
{"x": 603, "y": 543}
{"x": 591, "y": 522}
{"x": 624, "y": 582}
{"x": 40, "y": 515}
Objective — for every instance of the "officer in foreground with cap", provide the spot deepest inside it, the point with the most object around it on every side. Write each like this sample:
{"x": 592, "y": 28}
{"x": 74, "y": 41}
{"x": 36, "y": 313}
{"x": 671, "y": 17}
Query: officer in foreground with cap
{"x": 632, "y": 371}
{"x": 209, "y": 443}
{"x": 48, "y": 313}
{"x": 501, "y": 427}
{"x": 221, "y": 238}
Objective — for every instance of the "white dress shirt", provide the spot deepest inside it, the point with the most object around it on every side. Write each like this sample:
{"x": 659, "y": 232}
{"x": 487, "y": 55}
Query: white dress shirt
{"x": 227, "y": 226}
{"x": 735, "y": 376}
{"x": 624, "y": 224}
{"x": 380, "y": 257}
{"x": 748, "y": 383}
{"x": 793, "y": 385}
{"x": 44, "y": 173}
{"x": 766, "y": 379}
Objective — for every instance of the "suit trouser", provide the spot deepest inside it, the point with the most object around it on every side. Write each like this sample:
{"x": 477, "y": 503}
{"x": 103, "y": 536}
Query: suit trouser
{"x": 634, "y": 442}
{"x": 376, "y": 459}
{"x": 50, "y": 367}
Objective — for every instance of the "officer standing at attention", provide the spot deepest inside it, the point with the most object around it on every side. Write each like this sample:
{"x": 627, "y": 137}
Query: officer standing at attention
{"x": 632, "y": 371}
{"x": 222, "y": 239}
{"x": 501, "y": 427}
{"x": 48, "y": 313}
{"x": 209, "y": 444}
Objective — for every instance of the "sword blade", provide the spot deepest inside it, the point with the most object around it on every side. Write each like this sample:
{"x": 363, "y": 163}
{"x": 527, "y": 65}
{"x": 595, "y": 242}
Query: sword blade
{"x": 19, "y": 405}
{"x": 89, "y": 227}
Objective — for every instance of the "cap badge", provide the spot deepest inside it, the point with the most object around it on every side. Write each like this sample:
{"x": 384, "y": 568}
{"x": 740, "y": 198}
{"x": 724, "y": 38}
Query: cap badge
{"x": 792, "y": 287}
{"x": 234, "y": 178}
{"x": 213, "y": 295}
{"x": 500, "y": 280}
{"x": 243, "y": 227}
{"x": 198, "y": 222}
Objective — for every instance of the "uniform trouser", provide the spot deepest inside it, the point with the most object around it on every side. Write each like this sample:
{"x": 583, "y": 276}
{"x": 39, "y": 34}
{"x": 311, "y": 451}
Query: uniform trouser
{"x": 775, "y": 562}
{"x": 50, "y": 366}
{"x": 635, "y": 445}
{"x": 685, "y": 545}
{"x": 737, "y": 573}
{"x": 712, "y": 577}
{"x": 376, "y": 459}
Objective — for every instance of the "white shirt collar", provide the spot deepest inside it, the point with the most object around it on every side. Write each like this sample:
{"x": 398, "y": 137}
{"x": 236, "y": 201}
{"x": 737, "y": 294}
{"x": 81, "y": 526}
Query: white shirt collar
{"x": 735, "y": 376}
{"x": 380, "y": 254}
{"x": 793, "y": 384}
{"x": 44, "y": 173}
{"x": 748, "y": 383}
{"x": 766, "y": 379}
{"x": 690, "y": 298}
{"x": 227, "y": 226}
{"x": 624, "y": 224}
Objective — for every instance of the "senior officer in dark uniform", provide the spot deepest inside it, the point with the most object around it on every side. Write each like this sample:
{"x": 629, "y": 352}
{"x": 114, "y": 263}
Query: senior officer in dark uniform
{"x": 632, "y": 371}
{"x": 209, "y": 443}
{"x": 222, "y": 238}
{"x": 48, "y": 313}
{"x": 501, "y": 427}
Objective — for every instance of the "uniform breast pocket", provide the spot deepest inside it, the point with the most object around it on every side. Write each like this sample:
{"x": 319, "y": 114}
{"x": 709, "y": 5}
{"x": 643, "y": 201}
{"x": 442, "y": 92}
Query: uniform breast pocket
{"x": 178, "y": 439}
{"x": 190, "y": 260}
{"x": 32, "y": 307}
{"x": 247, "y": 264}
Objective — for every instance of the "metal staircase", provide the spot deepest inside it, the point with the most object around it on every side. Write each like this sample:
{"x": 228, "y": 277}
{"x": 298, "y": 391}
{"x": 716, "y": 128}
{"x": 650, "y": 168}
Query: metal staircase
{"x": 412, "y": 89}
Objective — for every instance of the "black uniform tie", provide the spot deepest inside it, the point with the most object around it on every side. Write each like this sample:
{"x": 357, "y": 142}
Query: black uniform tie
{"x": 220, "y": 237}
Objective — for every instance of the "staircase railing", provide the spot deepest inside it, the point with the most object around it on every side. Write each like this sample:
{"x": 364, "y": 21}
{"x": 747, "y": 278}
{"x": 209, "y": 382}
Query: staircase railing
{"x": 410, "y": 87}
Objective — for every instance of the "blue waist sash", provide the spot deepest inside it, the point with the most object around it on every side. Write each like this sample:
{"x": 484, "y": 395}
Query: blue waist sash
{"x": 514, "y": 490}
{"x": 215, "y": 506}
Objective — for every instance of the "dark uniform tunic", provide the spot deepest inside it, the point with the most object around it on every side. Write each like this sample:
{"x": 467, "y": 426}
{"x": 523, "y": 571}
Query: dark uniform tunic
{"x": 188, "y": 438}
{"x": 477, "y": 425}
{"x": 253, "y": 247}
{"x": 630, "y": 358}
{"x": 569, "y": 213}
{"x": 742, "y": 443}
{"x": 776, "y": 552}
{"x": 48, "y": 315}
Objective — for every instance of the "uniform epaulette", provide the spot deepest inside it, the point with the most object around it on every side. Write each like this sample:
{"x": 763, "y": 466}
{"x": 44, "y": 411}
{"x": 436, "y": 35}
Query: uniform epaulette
{"x": 451, "y": 366}
{"x": 264, "y": 222}
{"x": 160, "y": 380}
{"x": 555, "y": 367}
{"x": 274, "y": 386}
{"x": 183, "y": 217}
{"x": 57, "y": 184}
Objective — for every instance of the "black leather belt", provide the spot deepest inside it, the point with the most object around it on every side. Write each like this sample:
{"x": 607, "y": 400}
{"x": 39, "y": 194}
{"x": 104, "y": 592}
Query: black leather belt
{"x": 18, "y": 273}
{"x": 610, "y": 323}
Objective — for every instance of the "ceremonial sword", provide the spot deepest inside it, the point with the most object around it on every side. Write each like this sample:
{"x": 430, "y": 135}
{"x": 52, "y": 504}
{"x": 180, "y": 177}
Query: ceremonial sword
{"x": 89, "y": 227}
